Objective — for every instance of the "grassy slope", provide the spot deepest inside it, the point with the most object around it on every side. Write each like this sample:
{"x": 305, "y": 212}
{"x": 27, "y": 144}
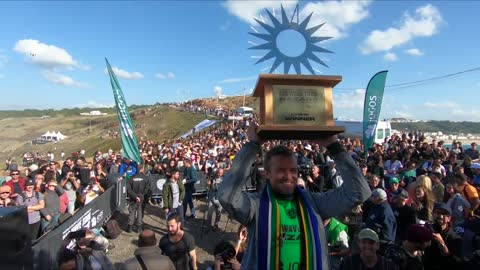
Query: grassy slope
{"x": 157, "y": 123}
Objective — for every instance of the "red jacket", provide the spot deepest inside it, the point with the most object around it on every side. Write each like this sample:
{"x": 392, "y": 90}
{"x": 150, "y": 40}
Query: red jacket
{"x": 9, "y": 183}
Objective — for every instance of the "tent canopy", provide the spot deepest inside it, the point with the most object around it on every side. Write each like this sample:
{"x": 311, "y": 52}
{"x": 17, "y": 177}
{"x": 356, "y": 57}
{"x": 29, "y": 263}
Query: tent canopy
{"x": 200, "y": 126}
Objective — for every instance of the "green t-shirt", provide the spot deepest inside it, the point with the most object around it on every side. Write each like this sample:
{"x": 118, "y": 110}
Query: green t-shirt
{"x": 290, "y": 250}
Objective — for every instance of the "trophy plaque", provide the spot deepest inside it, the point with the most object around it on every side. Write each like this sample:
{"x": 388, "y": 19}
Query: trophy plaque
{"x": 296, "y": 106}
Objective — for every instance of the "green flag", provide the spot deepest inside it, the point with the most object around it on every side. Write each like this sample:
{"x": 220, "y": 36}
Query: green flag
{"x": 129, "y": 140}
{"x": 372, "y": 107}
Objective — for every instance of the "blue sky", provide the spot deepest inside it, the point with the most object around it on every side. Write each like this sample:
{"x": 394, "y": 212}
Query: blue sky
{"x": 52, "y": 53}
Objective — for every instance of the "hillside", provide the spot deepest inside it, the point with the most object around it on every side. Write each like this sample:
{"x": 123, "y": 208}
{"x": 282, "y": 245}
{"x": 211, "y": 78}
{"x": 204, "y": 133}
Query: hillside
{"x": 90, "y": 133}
{"x": 444, "y": 126}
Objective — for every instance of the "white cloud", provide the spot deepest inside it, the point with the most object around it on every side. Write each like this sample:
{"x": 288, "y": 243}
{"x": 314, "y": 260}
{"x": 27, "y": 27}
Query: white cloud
{"x": 390, "y": 57}
{"x": 349, "y": 100}
{"x": 338, "y": 16}
{"x": 402, "y": 114}
{"x": 250, "y": 10}
{"x": 45, "y": 55}
{"x": 236, "y": 80}
{"x": 424, "y": 23}
{"x": 160, "y": 76}
{"x": 414, "y": 52}
{"x": 218, "y": 90}
{"x": 125, "y": 74}
{"x": 441, "y": 105}
{"x": 94, "y": 104}
{"x": 466, "y": 115}
{"x": 61, "y": 79}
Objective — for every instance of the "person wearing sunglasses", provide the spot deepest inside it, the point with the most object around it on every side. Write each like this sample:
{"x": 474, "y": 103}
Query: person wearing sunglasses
{"x": 5, "y": 197}
{"x": 16, "y": 184}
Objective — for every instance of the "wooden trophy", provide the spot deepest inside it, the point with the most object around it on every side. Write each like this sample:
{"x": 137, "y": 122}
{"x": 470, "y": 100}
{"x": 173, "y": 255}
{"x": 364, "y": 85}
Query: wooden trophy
{"x": 297, "y": 107}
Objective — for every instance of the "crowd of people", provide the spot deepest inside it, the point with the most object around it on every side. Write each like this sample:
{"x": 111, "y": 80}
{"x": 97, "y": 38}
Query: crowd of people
{"x": 404, "y": 204}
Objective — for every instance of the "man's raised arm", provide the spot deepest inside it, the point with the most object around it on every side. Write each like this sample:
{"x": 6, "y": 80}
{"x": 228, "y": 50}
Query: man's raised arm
{"x": 354, "y": 190}
{"x": 237, "y": 203}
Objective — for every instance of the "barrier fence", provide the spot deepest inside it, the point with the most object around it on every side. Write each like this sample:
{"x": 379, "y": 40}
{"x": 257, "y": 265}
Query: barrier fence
{"x": 93, "y": 215}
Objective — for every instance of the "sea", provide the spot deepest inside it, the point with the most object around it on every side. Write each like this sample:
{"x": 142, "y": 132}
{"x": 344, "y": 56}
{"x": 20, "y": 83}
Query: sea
{"x": 464, "y": 146}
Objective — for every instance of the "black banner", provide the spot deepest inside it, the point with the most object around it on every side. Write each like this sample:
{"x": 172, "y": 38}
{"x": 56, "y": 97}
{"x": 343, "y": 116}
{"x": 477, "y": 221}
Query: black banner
{"x": 92, "y": 215}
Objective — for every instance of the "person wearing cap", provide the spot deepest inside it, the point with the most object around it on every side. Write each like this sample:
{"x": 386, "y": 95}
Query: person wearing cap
{"x": 394, "y": 189}
{"x": 381, "y": 218}
{"x": 475, "y": 167}
{"x": 404, "y": 214}
{"x": 5, "y": 200}
{"x": 418, "y": 238}
{"x": 34, "y": 202}
{"x": 148, "y": 254}
{"x": 51, "y": 212}
{"x": 369, "y": 244}
{"x": 444, "y": 253}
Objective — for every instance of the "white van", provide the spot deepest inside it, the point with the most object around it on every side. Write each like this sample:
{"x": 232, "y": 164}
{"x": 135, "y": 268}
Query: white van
{"x": 354, "y": 129}
{"x": 245, "y": 111}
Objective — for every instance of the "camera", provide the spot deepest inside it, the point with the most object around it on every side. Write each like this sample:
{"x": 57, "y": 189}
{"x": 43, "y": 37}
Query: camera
{"x": 334, "y": 248}
{"x": 228, "y": 253}
{"x": 435, "y": 228}
{"x": 304, "y": 170}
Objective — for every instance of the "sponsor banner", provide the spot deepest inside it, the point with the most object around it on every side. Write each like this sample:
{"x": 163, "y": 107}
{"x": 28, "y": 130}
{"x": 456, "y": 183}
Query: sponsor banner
{"x": 93, "y": 215}
{"x": 371, "y": 108}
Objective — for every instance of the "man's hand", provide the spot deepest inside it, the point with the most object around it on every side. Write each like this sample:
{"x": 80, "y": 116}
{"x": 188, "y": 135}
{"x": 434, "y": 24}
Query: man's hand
{"x": 48, "y": 217}
{"x": 252, "y": 133}
{"x": 309, "y": 179}
{"x": 137, "y": 199}
{"x": 326, "y": 141}
{"x": 218, "y": 262}
{"x": 89, "y": 235}
{"x": 235, "y": 264}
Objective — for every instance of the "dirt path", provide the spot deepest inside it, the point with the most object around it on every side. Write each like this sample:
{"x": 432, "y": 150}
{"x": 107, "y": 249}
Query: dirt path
{"x": 125, "y": 244}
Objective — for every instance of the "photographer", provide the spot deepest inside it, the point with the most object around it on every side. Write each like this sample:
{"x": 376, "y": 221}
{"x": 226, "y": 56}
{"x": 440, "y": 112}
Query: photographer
{"x": 315, "y": 181}
{"x": 91, "y": 191}
{"x": 70, "y": 184}
{"x": 225, "y": 257}
{"x": 88, "y": 253}
{"x": 444, "y": 253}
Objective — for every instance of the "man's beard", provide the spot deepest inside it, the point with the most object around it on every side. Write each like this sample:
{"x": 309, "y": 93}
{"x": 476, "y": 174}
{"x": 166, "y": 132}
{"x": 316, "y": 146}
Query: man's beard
{"x": 174, "y": 232}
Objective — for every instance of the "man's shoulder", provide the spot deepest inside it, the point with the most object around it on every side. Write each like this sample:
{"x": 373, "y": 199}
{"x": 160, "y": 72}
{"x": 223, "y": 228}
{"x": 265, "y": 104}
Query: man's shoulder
{"x": 188, "y": 237}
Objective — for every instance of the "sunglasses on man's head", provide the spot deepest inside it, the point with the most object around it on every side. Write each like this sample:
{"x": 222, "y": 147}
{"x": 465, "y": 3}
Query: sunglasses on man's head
{"x": 6, "y": 192}
{"x": 15, "y": 174}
